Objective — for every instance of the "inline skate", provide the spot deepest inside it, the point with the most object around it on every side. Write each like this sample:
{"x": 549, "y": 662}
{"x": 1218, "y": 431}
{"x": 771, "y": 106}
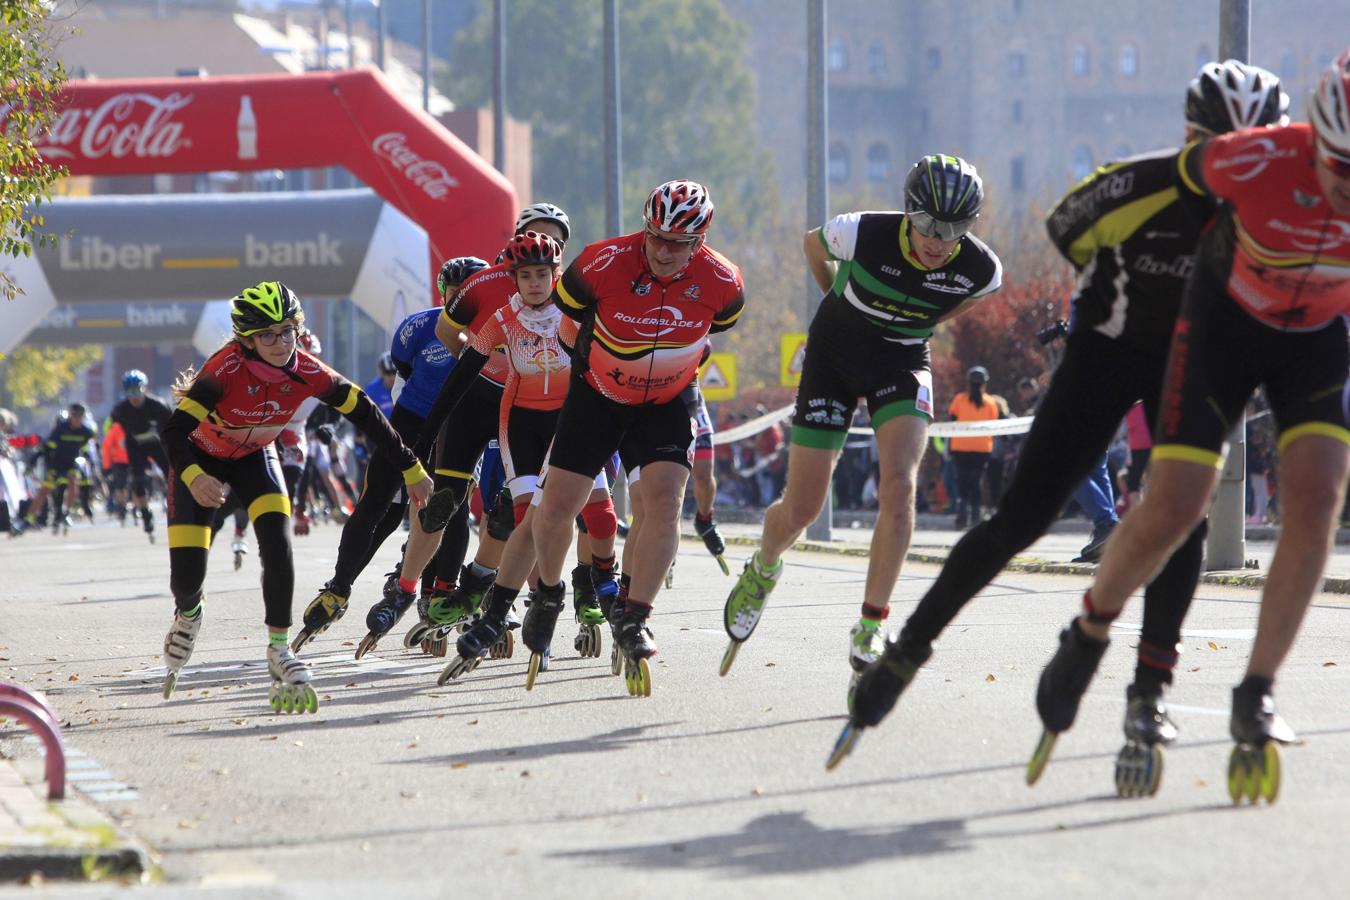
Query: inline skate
{"x": 239, "y": 549}
{"x": 745, "y": 605}
{"x": 456, "y": 609}
{"x": 291, "y": 691}
{"x": 481, "y": 640}
{"x": 1060, "y": 691}
{"x": 322, "y": 612}
{"x": 876, "y": 690}
{"x": 541, "y": 618}
{"x": 1148, "y": 728}
{"x": 178, "y": 644}
{"x": 1258, "y": 730}
{"x": 385, "y": 614}
{"x": 634, "y": 642}
{"x": 707, "y": 529}
{"x": 588, "y": 585}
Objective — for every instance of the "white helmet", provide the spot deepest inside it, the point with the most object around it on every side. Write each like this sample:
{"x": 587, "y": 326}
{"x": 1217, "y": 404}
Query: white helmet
{"x": 1225, "y": 96}
{"x": 679, "y": 206}
{"x": 1329, "y": 110}
{"x": 543, "y": 212}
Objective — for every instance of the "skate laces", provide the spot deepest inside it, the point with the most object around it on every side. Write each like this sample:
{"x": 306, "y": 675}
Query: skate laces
{"x": 284, "y": 666}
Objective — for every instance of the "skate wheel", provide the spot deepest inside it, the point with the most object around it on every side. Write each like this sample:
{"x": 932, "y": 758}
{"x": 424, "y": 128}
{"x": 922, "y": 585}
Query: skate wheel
{"x": 1139, "y": 769}
{"x": 532, "y": 671}
{"x": 637, "y": 677}
{"x": 311, "y": 700}
{"x": 729, "y": 657}
{"x": 416, "y": 635}
{"x": 238, "y": 561}
{"x": 843, "y": 746}
{"x": 721, "y": 561}
{"x": 615, "y": 660}
{"x": 438, "y": 648}
{"x": 1040, "y": 757}
{"x": 367, "y": 644}
{"x": 1269, "y": 780}
{"x": 505, "y": 647}
{"x": 170, "y": 682}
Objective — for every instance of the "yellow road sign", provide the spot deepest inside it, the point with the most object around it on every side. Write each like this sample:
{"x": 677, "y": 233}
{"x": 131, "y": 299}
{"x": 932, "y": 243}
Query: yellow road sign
{"x": 791, "y": 354}
{"x": 717, "y": 378}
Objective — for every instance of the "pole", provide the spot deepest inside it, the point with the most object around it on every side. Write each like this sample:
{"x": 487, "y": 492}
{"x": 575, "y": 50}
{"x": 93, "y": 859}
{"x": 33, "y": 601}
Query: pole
{"x": 426, "y": 56}
{"x": 381, "y": 29}
{"x": 499, "y": 85}
{"x": 1226, "y": 545}
{"x": 613, "y": 171}
{"x": 817, "y": 186}
{"x": 351, "y": 55}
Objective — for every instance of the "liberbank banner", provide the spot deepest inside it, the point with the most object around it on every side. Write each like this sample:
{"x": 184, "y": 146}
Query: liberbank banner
{"x": 129, "y": 255}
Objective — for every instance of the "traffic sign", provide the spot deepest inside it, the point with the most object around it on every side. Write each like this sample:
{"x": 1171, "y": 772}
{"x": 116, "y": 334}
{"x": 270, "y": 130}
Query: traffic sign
{"x": 717, "y": 378}
{"x": 791, "y": 355}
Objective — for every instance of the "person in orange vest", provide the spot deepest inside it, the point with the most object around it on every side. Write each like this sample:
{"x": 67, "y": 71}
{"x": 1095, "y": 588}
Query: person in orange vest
{"x": 970, "y": 454}
{"x": 116, "y": 468}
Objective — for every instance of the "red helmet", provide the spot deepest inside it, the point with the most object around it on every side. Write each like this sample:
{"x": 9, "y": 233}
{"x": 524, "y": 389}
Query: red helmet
{"x": 1329, "y": 110}
{"x": 531, "y": 249}
{"x": 682, "y": 207}
{"x": 309, "y": 341}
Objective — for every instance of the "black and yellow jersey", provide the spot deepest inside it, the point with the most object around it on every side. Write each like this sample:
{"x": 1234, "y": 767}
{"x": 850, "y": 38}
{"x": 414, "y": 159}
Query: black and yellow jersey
{"x": 1132, "y": 239}
{"x": 880, "y": 279}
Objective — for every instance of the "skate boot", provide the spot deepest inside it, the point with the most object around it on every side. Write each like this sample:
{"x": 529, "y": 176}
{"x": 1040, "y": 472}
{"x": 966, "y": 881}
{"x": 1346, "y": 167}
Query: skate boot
{"x": 1258, "y": 730}
{"x": 148, "y": 519}
{"x": 291, "y": 691}
{"x": 178, "y": 644}
{"x": 634, "y": 642}
{"x": 453, "y": 610}
{"x": 239, "y": 549}
{"x": 1148, "y": 728}
{"x": 745, "y": 605}
{"x": 418, "y": 635}
{"x": 479, "y": 641}
{"x": 541, "y": 618}
{"x": 1060, "y": 691}
{"x": 866, "y": 643}
{"x": 385, "y": 614}
{"x": 707, "y": 529}
{"x": 587, "y": 583}
{"x": 322, "y": 612}
{"x": 877, "y": 689}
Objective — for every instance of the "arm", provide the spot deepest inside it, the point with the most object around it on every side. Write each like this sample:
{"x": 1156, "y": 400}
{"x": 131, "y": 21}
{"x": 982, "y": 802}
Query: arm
{"x": 353, "y": 404}
{"x": 451, "y": 335}
{"x": 572, "y": 294}
{"x": 823, "y": 266}
{"x": 452, "y": 391}
{"x": 197, "y": 405}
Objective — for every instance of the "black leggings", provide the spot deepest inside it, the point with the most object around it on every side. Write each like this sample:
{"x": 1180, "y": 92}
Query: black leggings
{"x": 1094, "y": 387}
{"x": 969, "y": 482}
{"x": 257, "y": 481}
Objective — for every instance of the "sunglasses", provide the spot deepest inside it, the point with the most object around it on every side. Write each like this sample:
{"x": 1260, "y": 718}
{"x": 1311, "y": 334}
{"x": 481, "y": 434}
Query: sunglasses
{"x": 930, "y": 227}
{"x": 673, "y": 243}
{"x": 1334, "y": 162}
{"x": 270, "y": 338}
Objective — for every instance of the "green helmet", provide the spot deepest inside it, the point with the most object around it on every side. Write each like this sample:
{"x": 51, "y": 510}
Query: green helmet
{"x": 262, "y": 306}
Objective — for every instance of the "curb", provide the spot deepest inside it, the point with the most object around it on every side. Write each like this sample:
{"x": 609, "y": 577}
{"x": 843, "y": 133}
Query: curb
{"x": 83, "y": 845}
{"x": 1331, "y": 585}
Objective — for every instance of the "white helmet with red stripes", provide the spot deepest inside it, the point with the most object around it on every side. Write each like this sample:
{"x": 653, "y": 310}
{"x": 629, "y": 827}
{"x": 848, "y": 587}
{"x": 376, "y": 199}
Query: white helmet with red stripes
{"x": 679, "y": 207}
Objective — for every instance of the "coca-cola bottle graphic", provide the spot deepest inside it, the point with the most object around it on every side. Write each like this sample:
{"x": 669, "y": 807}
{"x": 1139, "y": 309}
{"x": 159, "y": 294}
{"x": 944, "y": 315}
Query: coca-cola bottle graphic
{"x": 248, "y": 129}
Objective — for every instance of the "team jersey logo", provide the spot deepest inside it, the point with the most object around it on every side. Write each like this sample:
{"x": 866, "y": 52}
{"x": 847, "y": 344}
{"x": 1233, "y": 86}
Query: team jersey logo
{"x": 604, "y": 258}
{"x": 693, "y": 292}
{"x": 1257, "y": 155}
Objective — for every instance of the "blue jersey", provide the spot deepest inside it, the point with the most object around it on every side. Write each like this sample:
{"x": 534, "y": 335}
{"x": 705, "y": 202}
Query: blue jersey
{"x": 422, "y": 360}
{"x": 380, "y": 396}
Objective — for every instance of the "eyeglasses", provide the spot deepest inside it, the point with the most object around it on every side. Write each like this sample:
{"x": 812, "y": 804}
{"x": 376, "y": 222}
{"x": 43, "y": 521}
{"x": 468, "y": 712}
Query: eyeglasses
{"x": 928, "y": 226}
{"x": 673, "y": 243}
{"x": 270, "y": 338}
{"x": 1335, "y": 163}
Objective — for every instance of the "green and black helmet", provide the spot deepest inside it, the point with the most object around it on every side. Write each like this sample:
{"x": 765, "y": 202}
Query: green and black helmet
{"x": 263, "y": 306}
{"x": 943, "y": 196}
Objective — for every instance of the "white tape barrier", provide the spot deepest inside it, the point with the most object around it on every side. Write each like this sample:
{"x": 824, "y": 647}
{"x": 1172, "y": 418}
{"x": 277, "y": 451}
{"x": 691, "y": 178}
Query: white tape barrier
{"x": 994, "y": 428}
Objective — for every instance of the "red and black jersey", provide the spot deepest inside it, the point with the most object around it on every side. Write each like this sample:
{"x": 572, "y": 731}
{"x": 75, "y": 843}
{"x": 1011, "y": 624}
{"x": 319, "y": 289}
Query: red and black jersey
{"x": 643, "y": 337}
{"x": 1277, "y": 246}
{"x": 477, "y": 302}
{"x": 239, "y": 404}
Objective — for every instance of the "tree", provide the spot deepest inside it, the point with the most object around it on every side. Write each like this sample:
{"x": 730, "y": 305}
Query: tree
{"x": 31, "y": 376}
{"x": 30, "y": 84}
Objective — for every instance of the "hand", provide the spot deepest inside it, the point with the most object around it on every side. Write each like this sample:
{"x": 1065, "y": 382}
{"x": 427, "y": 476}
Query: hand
{"x": 420, "y": 492}
{"x": 325, "y": 434}
{"x": 207, "y": 491}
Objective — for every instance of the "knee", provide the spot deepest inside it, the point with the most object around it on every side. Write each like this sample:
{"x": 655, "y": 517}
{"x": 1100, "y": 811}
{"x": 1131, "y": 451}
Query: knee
{"x": 800, "y": 511}
{"x": 895, "y": 496}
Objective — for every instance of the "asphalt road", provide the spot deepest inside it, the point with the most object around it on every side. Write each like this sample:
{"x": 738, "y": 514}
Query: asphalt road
{"x": 711, "y": 787}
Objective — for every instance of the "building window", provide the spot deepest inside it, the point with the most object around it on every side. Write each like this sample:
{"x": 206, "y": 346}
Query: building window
{"x": 876, "y": 59}
{"x": 932, "y": 58}
{"x": 838, "y": 56}
{"x": 1082, "y": 162}
{"x": 1017, "y": 111}
{"x": 1019, "y": 173}
{"x": 838, "y": 165}
{"x": 878, "y": 162}
{"x": 1129, "y": 60}
{"x": 1081, "y": 61}
{"x": 1017, "y": 64}
{"x": 1203, "y": 55}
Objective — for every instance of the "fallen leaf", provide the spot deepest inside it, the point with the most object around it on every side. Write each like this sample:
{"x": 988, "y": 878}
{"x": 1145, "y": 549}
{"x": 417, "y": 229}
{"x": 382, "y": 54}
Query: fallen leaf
{"x": 1328, "y": 665}
{"x": 409, "y": 795}
{"x": 222, "y": 771}
{"x": 1200, "y": 782}
{"x": 186, "y": 824}
{"x": 990, "y": 677}
{"x": 77, "y": 678}
{"x": 525, "y": 774}
{"x": 328, "y": 696}
{"x": 348, "y": 644}
{"x": 413, "y": 745}
{"x": 458, "y": 765}
{"x": 350, "y": 684}
{"x": 770, "y": 665}
{"x": 271, "y": 738}
{"x": 1213, "y": 646}
{"x": 240, "y": 721}
{"x": 758, "y": 790}
{"x": 677, "y": 848}
{"x": 471, "y": 722}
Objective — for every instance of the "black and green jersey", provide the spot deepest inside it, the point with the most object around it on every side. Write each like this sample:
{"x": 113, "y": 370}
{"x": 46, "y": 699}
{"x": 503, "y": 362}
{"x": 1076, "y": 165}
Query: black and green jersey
{"x": 1132, "y": 240}
{"x": 881, "y": 280}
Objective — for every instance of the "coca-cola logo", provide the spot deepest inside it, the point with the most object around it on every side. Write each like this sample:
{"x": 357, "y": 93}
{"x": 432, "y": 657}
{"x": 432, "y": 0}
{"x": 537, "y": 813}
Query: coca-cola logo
{"x": 132, "y": 124}
{"x": 432, "y": 177}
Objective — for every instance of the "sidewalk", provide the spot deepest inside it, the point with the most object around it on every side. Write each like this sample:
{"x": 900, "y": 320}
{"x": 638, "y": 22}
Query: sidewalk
{"x": 67, "y": 839}
{"x": 934, "y": 538}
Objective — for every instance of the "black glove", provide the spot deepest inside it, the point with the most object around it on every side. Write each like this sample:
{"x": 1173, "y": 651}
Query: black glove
{"x": 325, "y": 434}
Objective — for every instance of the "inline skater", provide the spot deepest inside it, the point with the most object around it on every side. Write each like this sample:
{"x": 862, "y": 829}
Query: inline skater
{"x": 60, "y": 452}
{"x": 142, "y": 415}
{"x": 220, "y": 434}
{"x": 1264, "y": 306}
{"x": 889, "y": 278}
{"x": 645, "y": 304}
{"x": 1126, "y": 217}
{"x": 381, "y": 387}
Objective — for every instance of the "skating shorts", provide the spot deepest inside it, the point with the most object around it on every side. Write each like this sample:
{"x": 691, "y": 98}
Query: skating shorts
{"x": 255, "y": 479}
{"x": 591, "y": 427}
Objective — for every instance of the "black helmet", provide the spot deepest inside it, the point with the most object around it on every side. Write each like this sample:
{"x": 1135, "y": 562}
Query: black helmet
{"x": 77, "y": 409}
{"x": 978, "y": 375}
{"x": 943, "y": 196}
{"x": 386, "y": 364}
{"x": 263, "y": 306}
{"x": 1225, "y": 96}
{"x": 457, "y": 271}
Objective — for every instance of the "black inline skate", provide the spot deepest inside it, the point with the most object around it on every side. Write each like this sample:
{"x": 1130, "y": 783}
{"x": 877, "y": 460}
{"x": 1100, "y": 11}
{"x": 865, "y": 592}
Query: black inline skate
{"x": 707, "y": 529}
{"x": 322, "y": 612}
{"x": 1060, "y": 691}
{"x": 481, "y": 640}
{"x": 634, "y": 643}
{"x": 1258, "y": 730}
{"x": 1148, "y": 728}
{"x": 588, "y": 583}
{"x": 878, "y": 689}
{"x": 385, "y": 614}
{"x": 541, "y": 618}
